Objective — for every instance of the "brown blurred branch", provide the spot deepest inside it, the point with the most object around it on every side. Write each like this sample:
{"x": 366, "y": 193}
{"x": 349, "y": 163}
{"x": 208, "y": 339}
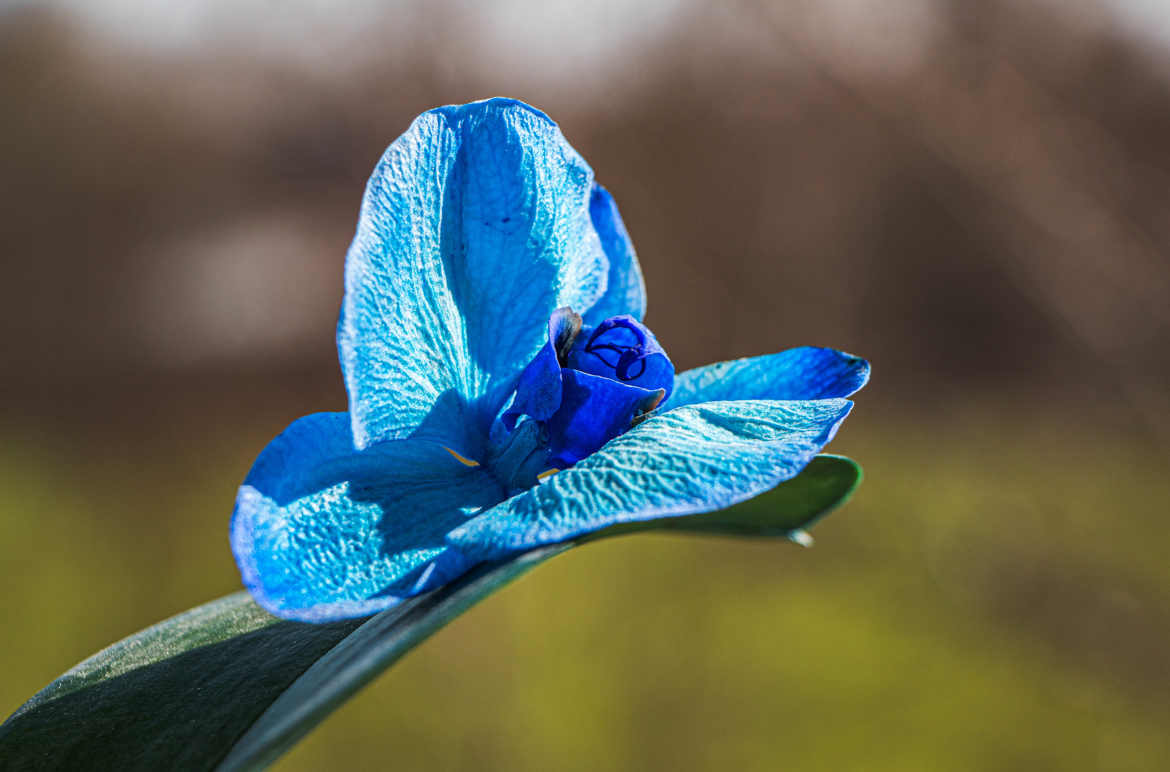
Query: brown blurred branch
{"x": 1106, "y": 261}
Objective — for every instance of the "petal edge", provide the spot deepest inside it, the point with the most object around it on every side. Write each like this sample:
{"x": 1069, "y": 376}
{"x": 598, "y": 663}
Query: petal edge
{"x": 690, "y": 459}
{"x": 808, "y": 372}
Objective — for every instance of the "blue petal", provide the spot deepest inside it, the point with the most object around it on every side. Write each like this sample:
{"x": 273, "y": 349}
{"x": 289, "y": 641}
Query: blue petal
{"x": 624, "y": 349}
{"x": 538, "y": 392}
{"x": 692, "y": 459}
{"x": 625, "y": 292}
{"x": 594, "y": 410}
{"x": 324, "y": 532}
{"x": 474, "y": 227}
{"x": 800, "y": 373}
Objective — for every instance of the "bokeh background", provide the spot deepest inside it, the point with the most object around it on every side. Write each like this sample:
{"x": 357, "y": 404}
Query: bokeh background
{"x": 975, "y": 196}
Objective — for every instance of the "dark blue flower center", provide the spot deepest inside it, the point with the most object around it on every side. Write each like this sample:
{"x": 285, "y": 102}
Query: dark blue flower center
{"x": 622, "y": 349}
{"x": 620, "y": 344}
{"x": 588, "y": 385}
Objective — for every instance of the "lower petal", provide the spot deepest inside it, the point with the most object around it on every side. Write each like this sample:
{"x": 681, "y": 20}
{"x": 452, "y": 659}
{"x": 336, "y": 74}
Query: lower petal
{"x": 322, "y": 531}
{"x": 691, "y": 459}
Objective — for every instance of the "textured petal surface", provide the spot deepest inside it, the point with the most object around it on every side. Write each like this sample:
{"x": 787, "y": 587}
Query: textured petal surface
{"x": 625, "y": 291}
{"x": 808, "y": 372}
{"x": 323, "y": 532}
{"x": 691, "y": 459}
{"x": 475, "y": 226}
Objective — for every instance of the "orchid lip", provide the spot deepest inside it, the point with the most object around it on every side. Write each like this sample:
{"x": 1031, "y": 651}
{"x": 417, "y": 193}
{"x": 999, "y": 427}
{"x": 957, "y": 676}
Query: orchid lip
{"x": 627, "y": 356}
{"x": 588, "y": 385}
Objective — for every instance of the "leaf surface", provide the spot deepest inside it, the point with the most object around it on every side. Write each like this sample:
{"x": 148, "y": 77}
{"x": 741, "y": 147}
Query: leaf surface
{"x": 227, "y": 686}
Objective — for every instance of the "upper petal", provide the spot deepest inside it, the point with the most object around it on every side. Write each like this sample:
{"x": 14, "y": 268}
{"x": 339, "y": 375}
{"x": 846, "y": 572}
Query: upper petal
{"x": 322, "y": 531}
{"x": 625, "y": 291}
{"x": 691, "y": 459}
{"x": 475, "y": 225}
{"x": 808, "y": 372}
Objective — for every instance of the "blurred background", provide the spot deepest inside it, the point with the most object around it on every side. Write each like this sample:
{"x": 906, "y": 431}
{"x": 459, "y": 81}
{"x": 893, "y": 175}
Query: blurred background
{"x": 975, "y": 196}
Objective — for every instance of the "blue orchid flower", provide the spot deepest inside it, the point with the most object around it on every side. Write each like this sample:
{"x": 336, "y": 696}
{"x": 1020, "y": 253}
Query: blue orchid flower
{"x": 503, "y": 391}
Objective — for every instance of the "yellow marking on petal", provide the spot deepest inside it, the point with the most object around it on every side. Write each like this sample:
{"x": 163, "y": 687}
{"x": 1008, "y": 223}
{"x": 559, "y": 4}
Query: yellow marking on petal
{"x": 461, "y": 459}
{"x": 547, "y": 473}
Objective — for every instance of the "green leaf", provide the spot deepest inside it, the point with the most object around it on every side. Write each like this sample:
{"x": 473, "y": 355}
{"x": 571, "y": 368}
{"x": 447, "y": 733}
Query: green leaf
{"x": 228, "y": 686}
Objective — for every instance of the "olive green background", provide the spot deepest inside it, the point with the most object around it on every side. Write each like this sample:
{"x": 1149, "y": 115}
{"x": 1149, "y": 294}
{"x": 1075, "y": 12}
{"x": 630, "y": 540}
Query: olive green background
{"x": 982, "y": 214}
